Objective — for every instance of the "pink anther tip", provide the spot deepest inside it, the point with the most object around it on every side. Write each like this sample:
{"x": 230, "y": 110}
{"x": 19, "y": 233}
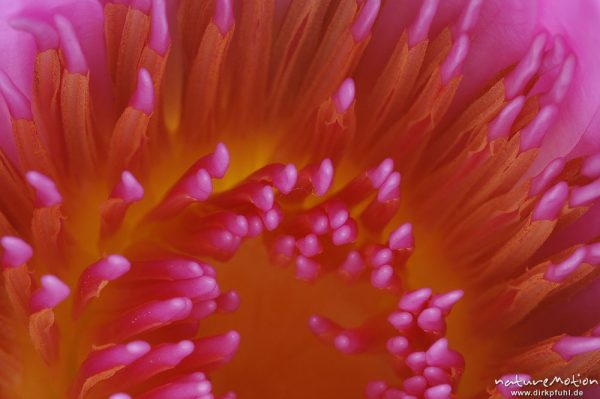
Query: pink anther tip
{"x": 52, "y": 292}
{"x": 16, "y": 251}
{"x": 223, "y": 16}
{"x": 344, "y": 96}
{"x": 143, "y": 96}
{"x": 46, "y": 193}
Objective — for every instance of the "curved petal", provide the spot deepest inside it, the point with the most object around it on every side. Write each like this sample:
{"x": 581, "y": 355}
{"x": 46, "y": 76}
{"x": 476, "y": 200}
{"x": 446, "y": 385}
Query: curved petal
{"x": 577, "y": 129}
{"x": 499, "y": 39}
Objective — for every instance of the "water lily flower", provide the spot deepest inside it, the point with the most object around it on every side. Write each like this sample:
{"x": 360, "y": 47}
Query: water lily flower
{"x": 214, "y": 199}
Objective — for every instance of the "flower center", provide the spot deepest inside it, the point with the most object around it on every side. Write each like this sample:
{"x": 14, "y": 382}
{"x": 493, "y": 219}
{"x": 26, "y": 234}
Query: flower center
{"x": 279, "y": 356}
{"x": 330, "y": 334}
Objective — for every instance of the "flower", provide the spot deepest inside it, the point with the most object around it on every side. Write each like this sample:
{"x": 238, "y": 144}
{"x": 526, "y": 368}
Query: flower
{"x": 173, "y": 168}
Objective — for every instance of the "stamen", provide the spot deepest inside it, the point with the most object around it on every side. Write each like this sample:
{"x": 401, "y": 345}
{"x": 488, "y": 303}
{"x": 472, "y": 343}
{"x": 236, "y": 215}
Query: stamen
{"x": 283, "y": 249}
{"x": 96, "y": 276}
{"x": 46, "y": 193}
{"x": 158, "y": 359}
{"x": 345, "y": 234}
{"x": 199, "y": 288}
{"x": 344, "y": 96}
{"x": 517, "y": 80}
{"x": 254, "y": 193}
{"x": 272, "y": 218}
{"x": 307, "y": 269}
{"x": 419, "y": 30}
{"x": 379, "y": 256}
{"x": 143, "y": 96}
{"x": 182, "y": 390}
{"x": 229, "y": 302}
{"x": 223, "y": 17}
{"x": 168, "y": 269}
{"x": 438, "y": 392}
{"x": 18, "y": 105}
{"x": 416, "y": 361}
{"x": 383, "y": 277}
{"x": 337, "y": 214}
{"x": 255, "y": 225}
{"x": 379, "y": 174}
{"x": 285, "y": 178}
{"x": 208, "y": 270}
{"x": 469, "y": 17}
{"x": 550, "y": 172}
{"x": 557, "y": 55}
{"x": 309, "y": 246}
{"x": 401, "y": 321}
{"x": 432, "y": 320}
{"x": 201, "y": 310}
{"x": 562, "y": 82}
{"x": 533, "y": 134}
{"x": 402, "y": 238}
{"x": 45, "y": 36}
{"x": 390, "y": 189}
{"x": 591, "y": 166}
{"x": 440, "y": 355}
{"x": 353, "y": 266}
{"x": 128, "y": 189}
{"x": 349, "y": 342}
{"x": 414, "y": 301}
{"x": 16, "y": 251}
{"x": 415, "y": 385}
{"x": 150, "y": 316}
{"x": 322, "y": 177}
{"x": 52, "y": 292}
{"x": 104, "y": 359}
{"x": 453, "y": 63}
{"x": 215, "y": 242}
{"x": 144, "y": 6}
{"x": 500, "y": 126}
{"x": 314, "y": 220}
{"x": 120, "y": 395}
{"x": 378, "y": 214}
{"x": 446, "y": 301}
{"x": 398, "y": 346}
{"x": 69, "y": 44}
{"x": 213, "y": 351}
{"x": 191, "y": 188}
{"x": 237, "y": 224}
{"x": 436, "y": 376}
{"x": 558, "y": 273}
{"x": 568, "y": 347}
{"x": 585, "y": 195}
{"x": 216, "y": 164}
{"x": 366, "y": 17}
{"x": 551, "y": 203}
{"x": 159, "y": 28}
{"x": 593, "y": 254}
{"x": 323, "y": 328}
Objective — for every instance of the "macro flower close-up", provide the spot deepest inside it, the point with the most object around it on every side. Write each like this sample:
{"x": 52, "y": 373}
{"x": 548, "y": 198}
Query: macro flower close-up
{"x": 286, "y": 199}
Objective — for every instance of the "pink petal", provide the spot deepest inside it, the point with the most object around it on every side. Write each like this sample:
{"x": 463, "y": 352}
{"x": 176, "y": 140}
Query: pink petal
{"x": 576, "y": 129}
